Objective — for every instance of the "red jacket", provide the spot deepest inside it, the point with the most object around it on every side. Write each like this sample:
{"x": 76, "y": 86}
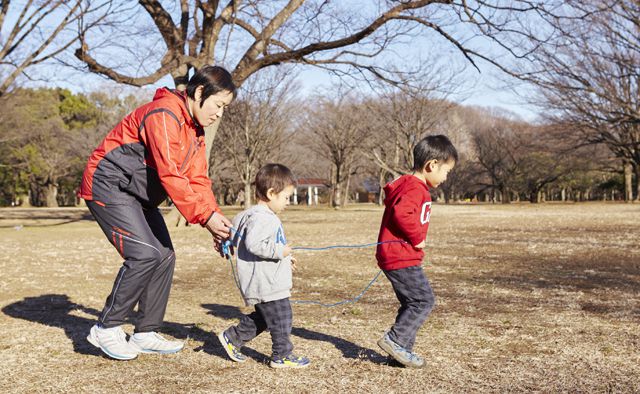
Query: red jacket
{"x": 155, "y": 151}
{"x": 406, "y": 218}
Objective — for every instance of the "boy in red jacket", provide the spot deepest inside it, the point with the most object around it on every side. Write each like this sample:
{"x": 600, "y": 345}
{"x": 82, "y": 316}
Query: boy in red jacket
{"x": 403, "y": 234}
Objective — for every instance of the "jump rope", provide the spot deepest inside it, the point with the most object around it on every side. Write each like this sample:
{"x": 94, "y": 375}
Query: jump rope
{"x": 226, "y": 250}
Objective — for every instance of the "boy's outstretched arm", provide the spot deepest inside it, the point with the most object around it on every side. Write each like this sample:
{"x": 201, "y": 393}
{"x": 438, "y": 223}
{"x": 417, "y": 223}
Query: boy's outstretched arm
{"x": 406, "y": 217}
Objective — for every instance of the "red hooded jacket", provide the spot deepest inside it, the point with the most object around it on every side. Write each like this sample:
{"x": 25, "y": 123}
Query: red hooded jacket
{"x": 155, "y": 151}
{"x": 406, "y": 218}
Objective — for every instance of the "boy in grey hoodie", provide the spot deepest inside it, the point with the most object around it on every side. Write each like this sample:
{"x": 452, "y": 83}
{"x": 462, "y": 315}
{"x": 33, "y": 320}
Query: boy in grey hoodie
{"x": 264, "y": 270}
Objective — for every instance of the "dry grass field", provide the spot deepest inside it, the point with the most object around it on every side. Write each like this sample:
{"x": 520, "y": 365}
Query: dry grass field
{"x": 542, "y": 298}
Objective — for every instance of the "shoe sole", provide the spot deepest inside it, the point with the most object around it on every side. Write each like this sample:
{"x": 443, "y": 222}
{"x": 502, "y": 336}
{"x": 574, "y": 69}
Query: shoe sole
{"x": 229, "y": 352}
{"x": 95, "y": 343}
{"x": 292, "y": 366}
{"x": 387, "y": 348}
{"x": 148, "y": 351}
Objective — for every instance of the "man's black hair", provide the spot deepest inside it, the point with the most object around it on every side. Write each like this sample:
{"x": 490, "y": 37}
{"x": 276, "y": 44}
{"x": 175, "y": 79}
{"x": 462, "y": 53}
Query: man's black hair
{"x": 213, "y": 80}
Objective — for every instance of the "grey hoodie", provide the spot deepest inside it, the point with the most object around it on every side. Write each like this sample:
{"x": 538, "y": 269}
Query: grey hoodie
{"x": 264, "y": 273}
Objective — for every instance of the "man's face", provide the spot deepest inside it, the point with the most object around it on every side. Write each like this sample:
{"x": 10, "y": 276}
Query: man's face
{"x": 212, "y": 108}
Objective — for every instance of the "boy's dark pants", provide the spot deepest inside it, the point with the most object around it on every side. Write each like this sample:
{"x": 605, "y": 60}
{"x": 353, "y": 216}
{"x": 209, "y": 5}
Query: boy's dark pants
{"x": 276, "y": 316}
{"x": 141, "y": 237}
{"x": 416, "y": 302}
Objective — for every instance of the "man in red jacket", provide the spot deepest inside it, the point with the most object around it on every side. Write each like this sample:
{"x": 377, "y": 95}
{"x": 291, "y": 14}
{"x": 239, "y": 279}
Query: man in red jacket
{"x": 403, "y": 234}
{"x": 154, "y": 152}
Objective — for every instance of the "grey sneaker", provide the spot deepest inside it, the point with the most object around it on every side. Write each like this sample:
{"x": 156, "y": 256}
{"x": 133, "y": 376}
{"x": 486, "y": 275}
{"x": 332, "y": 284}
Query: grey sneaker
{"x": 112, "y": 341}
{"x": 152, "y": 342}
{"x": 400, "y": 354}
{"x": 232, "y": 350}
{"x": 290, "y": 361}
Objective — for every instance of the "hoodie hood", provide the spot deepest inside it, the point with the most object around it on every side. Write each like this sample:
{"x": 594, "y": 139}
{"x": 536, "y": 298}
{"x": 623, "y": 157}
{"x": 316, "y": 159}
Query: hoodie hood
{"x": 397, "y": 186}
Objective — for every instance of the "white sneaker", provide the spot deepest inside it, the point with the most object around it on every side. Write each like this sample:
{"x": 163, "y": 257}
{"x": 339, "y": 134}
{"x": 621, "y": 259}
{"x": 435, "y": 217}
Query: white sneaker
{"x": 152, "y": 342}
{"x": 112, "y": 341}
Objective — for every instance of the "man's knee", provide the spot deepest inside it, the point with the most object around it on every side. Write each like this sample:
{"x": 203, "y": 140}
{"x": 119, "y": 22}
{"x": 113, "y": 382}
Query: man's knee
{"x": 152, "y": 257}
{"x": 167, "y": 259}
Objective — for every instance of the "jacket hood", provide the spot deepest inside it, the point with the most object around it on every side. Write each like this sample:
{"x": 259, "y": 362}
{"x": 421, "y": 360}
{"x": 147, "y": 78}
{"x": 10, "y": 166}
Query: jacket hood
{"x": 395, "y": 187}
{"x": 165, "y": 92}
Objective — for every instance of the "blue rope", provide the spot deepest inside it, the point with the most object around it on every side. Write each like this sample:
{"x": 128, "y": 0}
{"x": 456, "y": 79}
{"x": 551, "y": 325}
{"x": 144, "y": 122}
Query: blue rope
{"x": 226, "y": 250}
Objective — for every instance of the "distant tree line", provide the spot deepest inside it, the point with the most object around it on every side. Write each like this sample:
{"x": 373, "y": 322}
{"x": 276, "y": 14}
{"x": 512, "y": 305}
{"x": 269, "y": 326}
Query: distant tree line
{"x": 351, "y": 140}
{"x": 46, "y": 136}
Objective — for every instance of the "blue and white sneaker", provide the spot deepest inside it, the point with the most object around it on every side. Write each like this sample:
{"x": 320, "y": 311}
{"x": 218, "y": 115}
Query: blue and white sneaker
{"x": 232, "y": 350}
{"x": 400, "y": 354}
{"x": 112, "y": 342}
{"x": 152, "y": 342}
{"x": 290, "y": 361}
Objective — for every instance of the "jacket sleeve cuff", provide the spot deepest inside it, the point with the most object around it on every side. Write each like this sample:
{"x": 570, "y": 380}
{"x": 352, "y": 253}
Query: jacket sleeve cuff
{"x": 278, "y": 252}
{"x": 208, "y": 217}
{"x": 415, "y": 240}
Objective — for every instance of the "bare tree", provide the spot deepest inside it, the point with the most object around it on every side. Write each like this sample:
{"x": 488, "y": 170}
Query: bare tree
{"x": 256, "y": 127}
{"x": 247, "y": 36}
{"x": 588, "y": 73}
{"x": 337, "y": 135}
{"x": 399, "y": 118}
{"x": 499, "y": 152}
{"x": 38, "y": 31}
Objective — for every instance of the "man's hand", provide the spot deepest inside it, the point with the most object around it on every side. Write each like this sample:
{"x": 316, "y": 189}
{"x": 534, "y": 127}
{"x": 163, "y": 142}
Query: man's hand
{"x": 219, "y": 227}
{"x": 421, "y": 245}
{"x": 293, "y": 263}
{"x": 217, "y": 245}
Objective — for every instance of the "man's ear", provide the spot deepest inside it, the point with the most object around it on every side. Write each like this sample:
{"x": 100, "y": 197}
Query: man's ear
{"x": 198, "y": 93}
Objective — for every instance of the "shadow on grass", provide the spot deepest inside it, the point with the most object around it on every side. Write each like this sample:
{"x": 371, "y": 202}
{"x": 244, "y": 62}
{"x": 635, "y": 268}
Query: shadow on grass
{"x": 56, "y": 310}
{"x": 348, "y": 349}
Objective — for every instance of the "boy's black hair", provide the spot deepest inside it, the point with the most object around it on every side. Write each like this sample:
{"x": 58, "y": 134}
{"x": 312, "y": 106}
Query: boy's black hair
{"x": 213, "y": 80}
{"x": 433, "y": 147}
{"x": 273, "y": 175}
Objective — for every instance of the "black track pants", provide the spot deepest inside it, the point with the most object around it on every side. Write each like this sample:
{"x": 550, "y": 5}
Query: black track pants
{"x": 142, "y": 239}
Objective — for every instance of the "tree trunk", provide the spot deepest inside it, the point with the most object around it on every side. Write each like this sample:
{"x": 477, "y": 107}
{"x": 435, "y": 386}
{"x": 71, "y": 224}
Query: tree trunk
{"x": 345, "y": 195}
{"x": 636, "y": 170}
{"x": 24, "y": 200}
{"x": 51, "y": 194}
{"x": 382, "y": 184}
{"x": 337, "y": 190}
{"x": 628, "y": 182}
{"x": 506, "y": 196}
{"x": 247, "y": 194}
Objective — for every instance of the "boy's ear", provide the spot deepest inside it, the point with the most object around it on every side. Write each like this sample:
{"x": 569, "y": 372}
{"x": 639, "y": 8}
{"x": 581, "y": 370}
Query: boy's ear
{"x": 271, "y": 193}
{"x": 430, "y": 165}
